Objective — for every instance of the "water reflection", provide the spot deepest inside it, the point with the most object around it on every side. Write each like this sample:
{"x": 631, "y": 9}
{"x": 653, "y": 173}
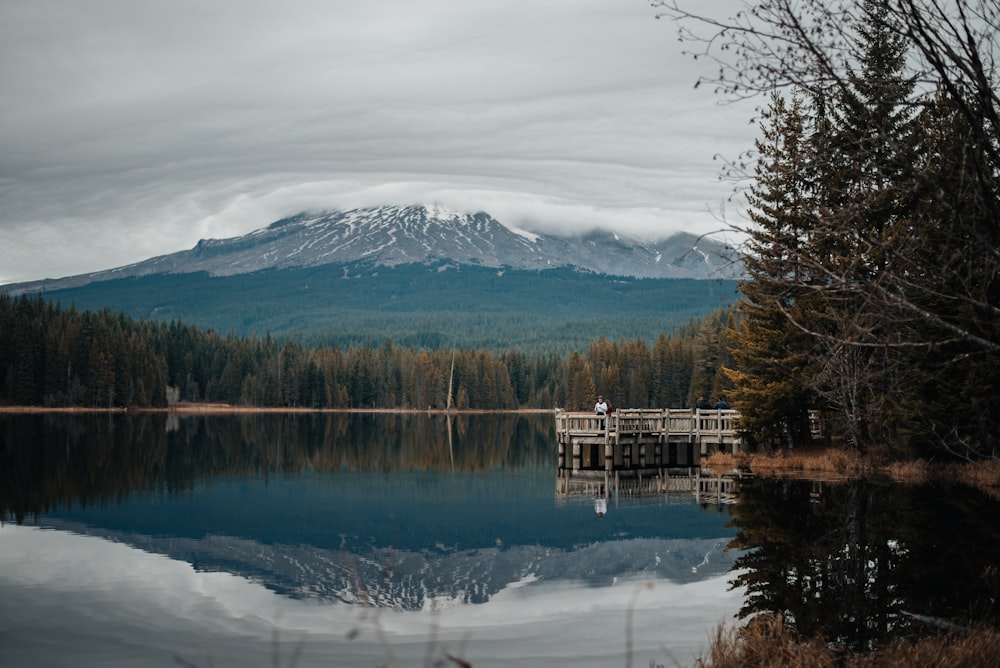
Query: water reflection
{"x": 860, "y": 562}
{"x": 386, "y": 510}
{"x": 149, "y": 534}
{"x": 417, "y": 514}
{"x": 53, "y": 460}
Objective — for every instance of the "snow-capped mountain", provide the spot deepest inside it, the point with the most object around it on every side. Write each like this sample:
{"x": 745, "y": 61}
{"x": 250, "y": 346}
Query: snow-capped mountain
{"x": 395, "y": 235}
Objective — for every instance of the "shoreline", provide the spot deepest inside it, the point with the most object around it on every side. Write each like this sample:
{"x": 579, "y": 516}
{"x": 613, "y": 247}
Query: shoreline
{"x": 212, "y": 408}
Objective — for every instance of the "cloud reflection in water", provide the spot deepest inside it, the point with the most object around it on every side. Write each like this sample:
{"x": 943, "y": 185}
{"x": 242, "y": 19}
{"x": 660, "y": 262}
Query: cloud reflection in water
{"x": 88, "y": 601}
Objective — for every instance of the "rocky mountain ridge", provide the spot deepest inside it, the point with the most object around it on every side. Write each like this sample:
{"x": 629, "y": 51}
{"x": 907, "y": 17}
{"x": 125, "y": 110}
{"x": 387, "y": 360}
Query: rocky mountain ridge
{"x": 396, "y": 235}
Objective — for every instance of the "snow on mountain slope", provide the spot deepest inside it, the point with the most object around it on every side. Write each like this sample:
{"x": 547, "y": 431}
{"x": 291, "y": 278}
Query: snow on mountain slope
{"x": 394, "y": 235}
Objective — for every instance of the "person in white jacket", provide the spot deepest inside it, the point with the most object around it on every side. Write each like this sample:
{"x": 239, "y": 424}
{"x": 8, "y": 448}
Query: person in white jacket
{"x": 601, "y": 408}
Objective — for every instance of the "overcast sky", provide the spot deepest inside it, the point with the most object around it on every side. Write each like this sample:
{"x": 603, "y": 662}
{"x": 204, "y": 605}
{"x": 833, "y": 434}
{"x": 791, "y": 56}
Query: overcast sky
{"x": 134, "y": 128}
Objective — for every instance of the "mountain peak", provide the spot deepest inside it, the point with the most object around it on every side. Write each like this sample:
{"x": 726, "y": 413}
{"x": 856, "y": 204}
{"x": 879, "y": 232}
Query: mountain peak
{"x": 427, "y": 234}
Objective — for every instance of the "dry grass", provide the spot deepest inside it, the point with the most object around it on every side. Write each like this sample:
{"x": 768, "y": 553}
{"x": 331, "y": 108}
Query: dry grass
{"x": 825, "y": 463}
{"x": 912, "y": 472}
{"x": 840, "y": 464}
{"x": 765, "y": 641}
{"x": 981, "y": 475}
{"x": 979, "y": 648}
{"x": 720, "y": 463}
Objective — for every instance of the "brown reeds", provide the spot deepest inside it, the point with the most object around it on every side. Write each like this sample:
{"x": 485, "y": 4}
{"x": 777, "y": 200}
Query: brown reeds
{"x": 984, "y": 476}
{"x": 913, "y": 472}
{"x": 978, "y": 648}
{"x": 766, "y": 642}
{"x": 721, "y": 463}
{"x": 837, "y": 463}
{"x": 826, "y": 463}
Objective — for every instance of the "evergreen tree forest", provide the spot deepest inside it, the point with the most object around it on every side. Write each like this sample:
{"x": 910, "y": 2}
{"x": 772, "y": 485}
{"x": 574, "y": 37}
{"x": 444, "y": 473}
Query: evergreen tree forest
{"x": 56, "y": 357}
{"x": 874, "y": 200}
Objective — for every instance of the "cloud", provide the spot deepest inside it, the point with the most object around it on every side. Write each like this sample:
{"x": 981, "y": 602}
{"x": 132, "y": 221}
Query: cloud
{"x": 100, "y": 599}
{"x": 135, "y": 129}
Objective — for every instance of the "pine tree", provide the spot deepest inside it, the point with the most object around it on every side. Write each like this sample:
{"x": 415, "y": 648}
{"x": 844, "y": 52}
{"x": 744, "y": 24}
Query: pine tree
{"x": 828, "y": 192}
{"x": 900, "y": 267}
{"x": 770, "y": 347}
{"x": 580, "y": 390}
{"x": 866, "y": 142}
{"x": 950, "y": 386}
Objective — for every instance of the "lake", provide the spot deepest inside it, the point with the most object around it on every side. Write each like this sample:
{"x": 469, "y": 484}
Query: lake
{"x": 347, "y": 540}
{"x": 389, "y": 539}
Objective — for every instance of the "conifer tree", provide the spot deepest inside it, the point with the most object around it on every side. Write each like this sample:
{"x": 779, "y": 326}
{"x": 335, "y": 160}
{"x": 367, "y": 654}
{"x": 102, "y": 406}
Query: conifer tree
{"x": 951, "y": 385}
{"x": 710, "y": 358}
{"x": 864, "y": 150}
{"x": 773, "y": 353}
{"x": 579, "y": 383}
{"x": 896, "y": 279}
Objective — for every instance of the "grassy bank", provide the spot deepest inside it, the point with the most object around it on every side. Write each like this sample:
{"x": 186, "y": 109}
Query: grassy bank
{"x": 765, "y": 642}
{"x": 831, "y": 464}
{"x": 224, "y": 408}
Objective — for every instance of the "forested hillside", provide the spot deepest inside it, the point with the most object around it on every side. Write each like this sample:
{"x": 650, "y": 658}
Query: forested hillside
{"x": 53, "y": 356}
{"x": 551, "y": 311}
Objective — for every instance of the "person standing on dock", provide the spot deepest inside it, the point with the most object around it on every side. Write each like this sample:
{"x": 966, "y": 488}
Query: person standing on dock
{"x": 601, "y": 408}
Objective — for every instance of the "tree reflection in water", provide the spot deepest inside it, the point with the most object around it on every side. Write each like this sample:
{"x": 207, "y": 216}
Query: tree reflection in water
{"x": 859, "y": 562}
{"x": 856, "y": 562}
{"x": 54, "y": 460}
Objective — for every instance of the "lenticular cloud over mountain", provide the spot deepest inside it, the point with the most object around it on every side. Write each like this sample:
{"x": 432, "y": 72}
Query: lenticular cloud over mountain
{"x": 133, "y": 130}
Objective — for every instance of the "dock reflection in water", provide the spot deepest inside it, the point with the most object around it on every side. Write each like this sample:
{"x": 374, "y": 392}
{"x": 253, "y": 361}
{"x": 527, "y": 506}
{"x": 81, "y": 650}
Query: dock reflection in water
{"x": 383, "y": 539}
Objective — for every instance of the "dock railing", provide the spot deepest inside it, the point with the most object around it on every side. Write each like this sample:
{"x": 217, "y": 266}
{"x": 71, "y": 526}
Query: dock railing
{"x": 703, "y": 426}
{"x": 642, "y": 450}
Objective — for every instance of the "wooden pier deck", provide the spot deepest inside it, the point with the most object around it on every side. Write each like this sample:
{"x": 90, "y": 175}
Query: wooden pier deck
{"x": 636, "y": 451}
{"x": 635, "y": 439}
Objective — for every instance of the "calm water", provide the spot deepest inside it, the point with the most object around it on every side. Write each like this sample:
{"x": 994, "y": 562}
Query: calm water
{"x": 368, "y": 540}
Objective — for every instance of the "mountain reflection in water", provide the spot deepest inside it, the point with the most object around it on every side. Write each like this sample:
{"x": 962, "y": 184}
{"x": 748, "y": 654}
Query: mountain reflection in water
{"x": 401, "y": 513}
{"x": 312, "y": 517}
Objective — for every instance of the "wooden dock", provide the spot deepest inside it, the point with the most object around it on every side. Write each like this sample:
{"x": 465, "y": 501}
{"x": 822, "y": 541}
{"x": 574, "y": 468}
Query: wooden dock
{"x": 635, "y": 439}
{"x": 640, "y": 451}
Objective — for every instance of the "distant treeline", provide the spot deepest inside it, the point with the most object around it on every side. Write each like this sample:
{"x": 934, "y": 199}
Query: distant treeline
{"x": 51, "y": 356}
